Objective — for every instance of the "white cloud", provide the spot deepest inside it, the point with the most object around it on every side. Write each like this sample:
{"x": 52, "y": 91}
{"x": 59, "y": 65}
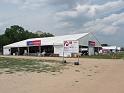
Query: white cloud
{"x": 105, "y": 8}
{"x": 67, "y": 13}
{"x": 65, "y": 16}
{"x": 32, "y": 4}
{"x": 110, "y": 30}
{"x": 64, "y": 24}
{"x": 1, "y": 24}
{"x": 13, "y": 1}
{"x": 26, "y": 4}
{"x": 84, "y": 14}
{"x": 92, "y": 10}
{"x": 87, "y": 9}
{"x": 119, "y": 22}
{"x": 108, "y": 25}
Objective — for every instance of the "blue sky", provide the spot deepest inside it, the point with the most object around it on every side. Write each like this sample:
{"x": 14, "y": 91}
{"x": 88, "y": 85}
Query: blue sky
{"x": 105, "y": 18}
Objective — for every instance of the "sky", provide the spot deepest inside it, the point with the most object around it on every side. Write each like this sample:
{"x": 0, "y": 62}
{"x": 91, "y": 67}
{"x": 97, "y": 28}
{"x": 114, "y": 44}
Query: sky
{"x": 103, "y": 18}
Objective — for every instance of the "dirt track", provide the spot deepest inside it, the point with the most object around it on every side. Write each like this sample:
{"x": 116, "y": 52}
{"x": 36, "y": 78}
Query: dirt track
{"x": 91, "y": 76}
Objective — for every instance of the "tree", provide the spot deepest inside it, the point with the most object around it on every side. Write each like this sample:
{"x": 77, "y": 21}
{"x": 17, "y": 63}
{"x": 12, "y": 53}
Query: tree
{"x": 3, "y": 41}
{"x": 17, "y": 33}
{"x": 122, "y": 49}
{"x": 44, "y": 34}
{"x": 104, "y": 44}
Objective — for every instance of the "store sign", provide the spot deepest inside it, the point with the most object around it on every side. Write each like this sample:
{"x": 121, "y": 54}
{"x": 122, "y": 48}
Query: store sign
{"x": 92, "y": 43}
{"x": 71, "y": 46}
{"x": 34, "y": 43}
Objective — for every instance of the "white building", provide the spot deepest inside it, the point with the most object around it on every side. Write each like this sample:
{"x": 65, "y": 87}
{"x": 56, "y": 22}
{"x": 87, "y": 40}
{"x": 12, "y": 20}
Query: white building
{"x": 51, "y": 45}
{"x": 111, "y": 48}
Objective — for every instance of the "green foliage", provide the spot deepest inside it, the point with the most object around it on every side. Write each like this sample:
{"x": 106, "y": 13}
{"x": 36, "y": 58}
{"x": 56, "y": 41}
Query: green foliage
{"x": 3, "y": 41}
{"x": 17, "y": 33}
{"x": 11, "y": 65}
{"x": 119, "y": 55}
{"x": 46, "y": 35}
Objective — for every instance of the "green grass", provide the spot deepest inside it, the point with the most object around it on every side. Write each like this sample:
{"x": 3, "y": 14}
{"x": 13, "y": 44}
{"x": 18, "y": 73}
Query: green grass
{"x": 107, "y": 56}
{"x": 11, "y": 65}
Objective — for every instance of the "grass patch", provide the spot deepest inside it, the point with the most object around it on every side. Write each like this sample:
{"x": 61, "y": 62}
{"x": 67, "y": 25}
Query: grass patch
{"x": 11, "y": 65}
{"x": 107, "y": 56}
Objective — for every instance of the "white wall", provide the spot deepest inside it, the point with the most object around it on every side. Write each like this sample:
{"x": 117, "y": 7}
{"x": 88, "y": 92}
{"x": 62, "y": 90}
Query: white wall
{"x": 6, "y": 51}
{"x": 84, "y": 40}
{"x": 58, "y": 49}
{"x": 91, "y": 51}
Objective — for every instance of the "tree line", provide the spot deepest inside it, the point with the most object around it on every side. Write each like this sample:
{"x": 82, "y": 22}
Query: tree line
{"x": 17, "y": 33}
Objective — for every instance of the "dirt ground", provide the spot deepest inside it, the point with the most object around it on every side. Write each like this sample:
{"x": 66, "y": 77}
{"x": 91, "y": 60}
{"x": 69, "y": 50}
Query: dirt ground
{"x": 91, "y": 76}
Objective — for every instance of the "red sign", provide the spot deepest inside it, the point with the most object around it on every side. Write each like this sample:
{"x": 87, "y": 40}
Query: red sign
{"x": 92, "y": 43}
{"x": 34, "y": 43}
{"x": 67, "y": 43}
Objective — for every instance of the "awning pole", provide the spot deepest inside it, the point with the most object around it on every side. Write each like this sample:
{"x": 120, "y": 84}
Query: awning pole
{"x": 28, "y": 51}
{"x": 18, "y": 51}
{"x": 10, "y": 52}
{"x": 63, "y": 57}
{"x": 39, "y": 50}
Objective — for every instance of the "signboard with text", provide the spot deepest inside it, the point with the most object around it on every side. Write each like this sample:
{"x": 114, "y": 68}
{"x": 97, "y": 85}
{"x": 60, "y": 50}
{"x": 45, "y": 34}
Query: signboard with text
{"x": 91, "y": 50}
{"x": 71, "y": 46}
{"x": 92, "y": 43}
{"x": 34, "y": 43}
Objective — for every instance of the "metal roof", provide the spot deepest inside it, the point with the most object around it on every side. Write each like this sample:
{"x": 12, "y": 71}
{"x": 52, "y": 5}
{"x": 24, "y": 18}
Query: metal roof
{"x": 57, "y": 40}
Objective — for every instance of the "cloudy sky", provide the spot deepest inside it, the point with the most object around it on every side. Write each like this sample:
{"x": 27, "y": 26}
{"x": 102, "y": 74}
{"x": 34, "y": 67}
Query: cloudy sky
{"x": 104, "y": 18}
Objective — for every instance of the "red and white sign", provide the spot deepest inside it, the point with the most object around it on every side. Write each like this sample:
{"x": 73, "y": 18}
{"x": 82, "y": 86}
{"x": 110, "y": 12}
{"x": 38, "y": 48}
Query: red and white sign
{"x": 34, "y": 43}
{"x": 71, "y": 46}
{"x": 92, "y": 43}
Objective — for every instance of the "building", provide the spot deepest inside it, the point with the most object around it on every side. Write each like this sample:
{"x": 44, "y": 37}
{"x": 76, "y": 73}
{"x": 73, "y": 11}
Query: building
{"x": 110, "y": 49}
{"x": 51, "y": 45}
